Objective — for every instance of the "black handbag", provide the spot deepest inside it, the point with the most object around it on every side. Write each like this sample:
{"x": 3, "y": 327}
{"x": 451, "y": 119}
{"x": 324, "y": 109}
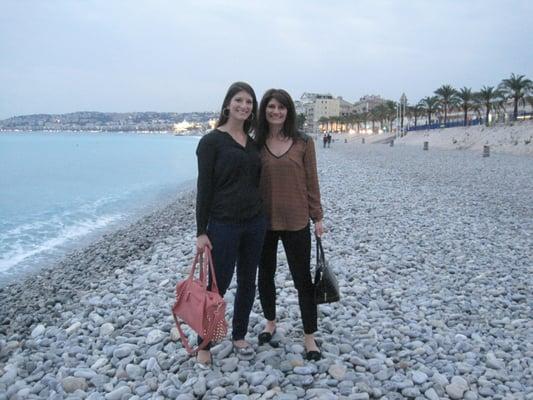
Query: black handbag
{"x": 326, "y": 285}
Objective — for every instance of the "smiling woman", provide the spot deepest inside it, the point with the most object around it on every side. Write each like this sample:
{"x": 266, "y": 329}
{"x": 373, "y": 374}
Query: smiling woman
{"x": 229, "y": 215}
{"x": 289, "y": 188}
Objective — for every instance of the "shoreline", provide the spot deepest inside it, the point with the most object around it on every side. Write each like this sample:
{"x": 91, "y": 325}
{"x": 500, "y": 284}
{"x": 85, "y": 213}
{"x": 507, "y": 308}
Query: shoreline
{"x": 81, "y": 267}
{"x": 169, "y": 197}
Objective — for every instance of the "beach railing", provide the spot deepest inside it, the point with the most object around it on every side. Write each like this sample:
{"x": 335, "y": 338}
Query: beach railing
{"x": 449, "y": 124}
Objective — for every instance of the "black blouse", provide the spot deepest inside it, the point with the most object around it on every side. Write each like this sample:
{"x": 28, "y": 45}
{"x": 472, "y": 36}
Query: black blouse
{"x": 228, "y": 180}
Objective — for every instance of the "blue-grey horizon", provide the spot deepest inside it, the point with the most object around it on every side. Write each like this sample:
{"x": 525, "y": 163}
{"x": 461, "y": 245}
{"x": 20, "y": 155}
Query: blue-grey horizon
{"x": 113, "y": 56}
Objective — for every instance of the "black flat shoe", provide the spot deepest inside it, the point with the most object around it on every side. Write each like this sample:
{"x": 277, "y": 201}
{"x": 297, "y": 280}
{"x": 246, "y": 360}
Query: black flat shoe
{"x": 313, "y": 355}
{"x": 265, "y": 337}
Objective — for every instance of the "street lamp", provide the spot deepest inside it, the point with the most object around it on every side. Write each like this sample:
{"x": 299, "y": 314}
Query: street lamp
{"x": 398, "y": 120}
{"x": 403, "y": 107}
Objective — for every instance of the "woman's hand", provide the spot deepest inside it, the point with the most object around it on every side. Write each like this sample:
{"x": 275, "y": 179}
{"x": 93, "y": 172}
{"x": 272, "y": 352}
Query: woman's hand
{"x": 319, "y": 228}
{"x": 202, "y": 242}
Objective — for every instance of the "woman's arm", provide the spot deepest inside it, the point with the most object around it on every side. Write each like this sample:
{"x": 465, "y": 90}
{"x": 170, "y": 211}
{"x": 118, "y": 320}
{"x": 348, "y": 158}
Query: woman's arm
{"x": 313, "y": 189}
{"x": 204, "y": 193}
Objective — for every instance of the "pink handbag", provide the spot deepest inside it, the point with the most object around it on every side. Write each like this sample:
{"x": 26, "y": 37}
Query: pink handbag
{"x": 202, "y": 309}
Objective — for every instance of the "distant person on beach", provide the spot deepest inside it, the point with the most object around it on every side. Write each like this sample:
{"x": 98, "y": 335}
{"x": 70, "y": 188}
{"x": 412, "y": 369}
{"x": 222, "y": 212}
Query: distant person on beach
{"x": 229, "y": 211}
{"x": 325, "y": 140}
{"x": 291, "y": 195}
{"x": 329, "y": 140}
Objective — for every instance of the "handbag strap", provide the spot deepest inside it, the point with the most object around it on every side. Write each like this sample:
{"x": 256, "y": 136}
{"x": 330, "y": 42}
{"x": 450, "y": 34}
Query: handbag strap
{"x": 185, "y": 341}
{"x": 320, "y": 258}
{"x": 211, "y": 268}
{"x": 320, "y": 250}
{"x": 205, "y": 261}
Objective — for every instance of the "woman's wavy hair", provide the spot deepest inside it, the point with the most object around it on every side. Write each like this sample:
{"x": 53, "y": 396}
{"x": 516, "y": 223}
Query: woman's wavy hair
{"x": 235, "y": 88}
{"x": 289, "y": 129}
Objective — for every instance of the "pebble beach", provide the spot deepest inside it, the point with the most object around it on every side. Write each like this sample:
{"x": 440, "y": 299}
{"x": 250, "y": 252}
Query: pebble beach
{"x": 432, "y": 250}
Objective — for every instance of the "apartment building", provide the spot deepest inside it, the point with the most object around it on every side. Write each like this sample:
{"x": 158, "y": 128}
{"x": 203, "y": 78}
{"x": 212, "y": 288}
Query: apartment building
{"x": 367, "y": 103}
{"x": 316, "y": 106}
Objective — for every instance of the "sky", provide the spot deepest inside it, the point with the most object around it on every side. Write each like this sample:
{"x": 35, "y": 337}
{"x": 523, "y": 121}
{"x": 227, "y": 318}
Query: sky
{"x": 59, "y": 56}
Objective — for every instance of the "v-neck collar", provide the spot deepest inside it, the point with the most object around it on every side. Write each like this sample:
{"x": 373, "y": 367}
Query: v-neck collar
{"x": 234, "y": 141}
{"x": 281, "y": 155}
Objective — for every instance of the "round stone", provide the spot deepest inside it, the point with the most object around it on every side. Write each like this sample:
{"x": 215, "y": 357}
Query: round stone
{"x": 419, "y": 377}
{"x": 155, "y": 336}
{"x": 38, "y": 331}
{"x": 71, "y": 384}
{"x": 337, "y": 371}
{"x": 106, "y": 329}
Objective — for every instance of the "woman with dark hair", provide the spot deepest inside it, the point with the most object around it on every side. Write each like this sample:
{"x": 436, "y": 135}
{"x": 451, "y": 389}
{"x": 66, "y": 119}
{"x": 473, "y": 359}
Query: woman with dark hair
{"x": 229, "y": 212}
{"x": 291, "y": 195}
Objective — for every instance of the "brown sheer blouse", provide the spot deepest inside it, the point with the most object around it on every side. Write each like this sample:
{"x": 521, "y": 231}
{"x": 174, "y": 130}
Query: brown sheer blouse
{"x": 289, "y": 186}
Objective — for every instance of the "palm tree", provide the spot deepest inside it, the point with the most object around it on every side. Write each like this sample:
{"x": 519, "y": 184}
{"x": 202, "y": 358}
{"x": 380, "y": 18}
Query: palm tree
{"x": 335, "y": 123}
{"x": 415, "y": 111}
{"x": 353, "y": 118}
{"x": 466, "y": 98}
{"x": 429, "y": 104}
{"x": 346, "y": 121}
{"x": 488, "y": 98}
{"x": 390, "y": 112}
{"x": 323, "y": 121}
{"x": 376, "y": 115}
{"x": 365, "y": 116}
{"x": 448, "y": 97}
{"x": 360, "y": 118}
{"x": 516, "y": 87}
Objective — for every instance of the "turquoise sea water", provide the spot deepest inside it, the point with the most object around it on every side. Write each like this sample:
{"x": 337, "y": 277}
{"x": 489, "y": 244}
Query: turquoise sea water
{"x": 58, "y": 189}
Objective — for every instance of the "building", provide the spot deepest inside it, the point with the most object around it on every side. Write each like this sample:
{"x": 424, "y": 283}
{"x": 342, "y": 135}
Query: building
{"x": 367, "y": 103}
{"x": 316, "y": 106}
{"x": 345, "y": 107}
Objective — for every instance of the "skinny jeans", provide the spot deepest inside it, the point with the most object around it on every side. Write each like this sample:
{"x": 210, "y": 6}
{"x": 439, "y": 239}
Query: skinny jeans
{"x": 297, "y": 245}
{"x": 237, "y": 245}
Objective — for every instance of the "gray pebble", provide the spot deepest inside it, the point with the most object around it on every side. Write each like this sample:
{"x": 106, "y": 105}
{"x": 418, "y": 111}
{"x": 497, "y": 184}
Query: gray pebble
{"x": 118, "y": 393}
{"x": 71, "y": 384}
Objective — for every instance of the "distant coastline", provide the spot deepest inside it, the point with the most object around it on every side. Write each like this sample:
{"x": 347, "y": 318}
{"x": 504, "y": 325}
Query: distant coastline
{"x": 193, "y": 123}
{"x": 169, "y": 132}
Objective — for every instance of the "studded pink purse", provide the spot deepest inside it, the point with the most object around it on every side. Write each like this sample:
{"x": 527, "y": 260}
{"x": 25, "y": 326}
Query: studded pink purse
{"x": 201, "y": 308}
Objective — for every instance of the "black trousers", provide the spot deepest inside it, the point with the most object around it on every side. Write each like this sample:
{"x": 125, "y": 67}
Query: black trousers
{"x": 297, "y": 245}
{"x": 237, "y": 246}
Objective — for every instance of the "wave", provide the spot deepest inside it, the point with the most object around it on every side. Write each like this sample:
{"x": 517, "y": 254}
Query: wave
{"x": 20, "y": 251}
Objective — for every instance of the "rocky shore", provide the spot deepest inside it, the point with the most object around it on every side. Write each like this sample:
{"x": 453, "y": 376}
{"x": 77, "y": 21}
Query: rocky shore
{"x": 433, "y": 254}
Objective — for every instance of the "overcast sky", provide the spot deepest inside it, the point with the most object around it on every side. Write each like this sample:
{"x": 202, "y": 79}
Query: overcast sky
{"x": 59, "y": 56}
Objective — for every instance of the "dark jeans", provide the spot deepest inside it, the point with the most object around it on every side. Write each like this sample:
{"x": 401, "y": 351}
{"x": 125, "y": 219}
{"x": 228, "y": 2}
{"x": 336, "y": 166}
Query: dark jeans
{"x": 237, "y": 244}
{"x": 297, "y": 246}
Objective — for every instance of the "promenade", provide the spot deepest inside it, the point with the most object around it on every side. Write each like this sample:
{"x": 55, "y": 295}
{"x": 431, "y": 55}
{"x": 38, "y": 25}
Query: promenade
{"x": 433, "y": 254}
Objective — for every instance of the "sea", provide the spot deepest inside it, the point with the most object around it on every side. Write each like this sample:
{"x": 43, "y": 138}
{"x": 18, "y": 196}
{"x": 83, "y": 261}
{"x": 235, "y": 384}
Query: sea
{"x": 60, "y": 191}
